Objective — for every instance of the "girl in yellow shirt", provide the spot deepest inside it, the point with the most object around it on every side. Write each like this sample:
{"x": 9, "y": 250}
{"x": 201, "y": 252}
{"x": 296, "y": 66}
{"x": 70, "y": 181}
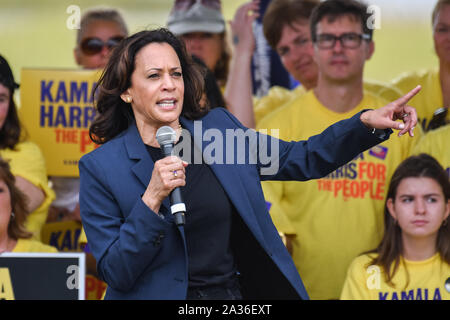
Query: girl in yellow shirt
{"x": 412, "y": 261}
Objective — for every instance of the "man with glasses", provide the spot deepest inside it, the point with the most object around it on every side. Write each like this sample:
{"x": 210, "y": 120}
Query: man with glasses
{"x": 340, "y": 216}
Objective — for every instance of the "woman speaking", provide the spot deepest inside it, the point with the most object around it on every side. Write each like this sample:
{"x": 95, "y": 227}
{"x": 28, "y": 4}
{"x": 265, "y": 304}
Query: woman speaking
{"x": 228, "y": 247}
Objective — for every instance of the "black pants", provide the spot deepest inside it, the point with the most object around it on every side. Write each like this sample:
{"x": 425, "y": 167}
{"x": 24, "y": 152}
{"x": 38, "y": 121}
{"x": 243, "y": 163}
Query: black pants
{"x": 220, "y": 292}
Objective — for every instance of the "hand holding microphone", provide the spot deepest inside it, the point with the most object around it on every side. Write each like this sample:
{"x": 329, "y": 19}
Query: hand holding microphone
{"x": 167, "y": 176}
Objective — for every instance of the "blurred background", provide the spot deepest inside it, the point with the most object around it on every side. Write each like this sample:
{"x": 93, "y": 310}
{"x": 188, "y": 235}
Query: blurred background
{"x": 34, "y": 33}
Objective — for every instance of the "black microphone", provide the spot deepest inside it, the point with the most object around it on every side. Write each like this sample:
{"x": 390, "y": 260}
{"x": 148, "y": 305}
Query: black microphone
{"x": 166, "y": 137}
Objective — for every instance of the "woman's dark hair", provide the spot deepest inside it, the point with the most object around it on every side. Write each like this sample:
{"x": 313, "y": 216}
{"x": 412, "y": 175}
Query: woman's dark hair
{"x": 16, "y": 226}
{"x": 213, "y": 93}
{"x": 10, "y": 132}
{"x": 390, "y": 249}
{"x": 113, "y": 114}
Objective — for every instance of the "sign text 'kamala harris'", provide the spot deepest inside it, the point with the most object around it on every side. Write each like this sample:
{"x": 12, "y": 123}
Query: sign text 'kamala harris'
{"x": 57, "y": 108}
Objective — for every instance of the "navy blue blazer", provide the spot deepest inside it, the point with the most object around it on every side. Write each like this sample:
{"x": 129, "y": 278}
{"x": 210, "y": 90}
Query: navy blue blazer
{"x": 143, "y": 256}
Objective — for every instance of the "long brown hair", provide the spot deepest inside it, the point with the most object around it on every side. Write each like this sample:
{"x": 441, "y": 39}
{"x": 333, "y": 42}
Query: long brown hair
{"x": 390, "y": 250}
{"x": 113, "y": 114}
{"x": 16, "y": 226}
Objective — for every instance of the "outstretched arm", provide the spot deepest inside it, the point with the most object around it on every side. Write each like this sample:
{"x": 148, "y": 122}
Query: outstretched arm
{"x": 384, "y": 118}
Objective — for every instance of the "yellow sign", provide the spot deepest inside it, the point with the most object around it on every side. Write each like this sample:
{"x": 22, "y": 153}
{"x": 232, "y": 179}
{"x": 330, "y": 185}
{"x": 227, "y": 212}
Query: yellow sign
{"x": 57, "y": 108}
{"x": 6, "y": 290}
{"x": 63, "y": 235}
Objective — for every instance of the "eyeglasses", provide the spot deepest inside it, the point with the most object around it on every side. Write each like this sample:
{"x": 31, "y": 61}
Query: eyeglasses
{"x": 91, "y": 46}
{"x": 347, "y": 40}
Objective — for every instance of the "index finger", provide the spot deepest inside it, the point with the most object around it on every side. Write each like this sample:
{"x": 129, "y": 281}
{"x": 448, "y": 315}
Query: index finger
{"x": 404, "y": 100}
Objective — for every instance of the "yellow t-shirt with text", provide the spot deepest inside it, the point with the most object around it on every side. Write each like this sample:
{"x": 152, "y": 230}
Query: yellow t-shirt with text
{"x": 414, "y": 280}
{"x": 338, "y": 217}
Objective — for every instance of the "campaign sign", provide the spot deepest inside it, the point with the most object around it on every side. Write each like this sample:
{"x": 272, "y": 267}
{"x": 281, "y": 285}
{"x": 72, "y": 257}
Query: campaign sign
{"x": 57, "y": 108}
{"x": 42, "y": 276}
{"x": 63, "y": 235}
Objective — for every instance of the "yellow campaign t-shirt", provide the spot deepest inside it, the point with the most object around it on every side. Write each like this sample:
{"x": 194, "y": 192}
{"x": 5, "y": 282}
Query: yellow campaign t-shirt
{"x": 27, "y": 161}
{"x": 338, "y": 217}
{"x": 436, "y": 143}
{"x": 429, "y": 99}
{"x": 414, "y": 280}
{"x": 30, "y": 245}
{"x": 279, "y": 96}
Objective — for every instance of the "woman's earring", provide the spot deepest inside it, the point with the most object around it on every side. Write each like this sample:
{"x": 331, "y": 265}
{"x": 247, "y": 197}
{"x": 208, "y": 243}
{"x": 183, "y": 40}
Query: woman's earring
{"x": 128, "y": 99}
{"x": 13, "y": 215}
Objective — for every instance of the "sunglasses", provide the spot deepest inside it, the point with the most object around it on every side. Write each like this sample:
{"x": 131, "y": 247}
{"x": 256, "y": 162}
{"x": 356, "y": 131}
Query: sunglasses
{"x": 91, "y": 46}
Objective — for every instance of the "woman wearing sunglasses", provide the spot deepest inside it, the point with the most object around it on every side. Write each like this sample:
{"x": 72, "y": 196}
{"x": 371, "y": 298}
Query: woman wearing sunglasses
{"x": 100, "y": 31}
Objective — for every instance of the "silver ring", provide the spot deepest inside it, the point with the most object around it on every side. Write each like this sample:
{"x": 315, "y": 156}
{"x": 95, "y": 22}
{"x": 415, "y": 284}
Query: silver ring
{"x": 175, "y": 173}
{"x": 404, "y": 115}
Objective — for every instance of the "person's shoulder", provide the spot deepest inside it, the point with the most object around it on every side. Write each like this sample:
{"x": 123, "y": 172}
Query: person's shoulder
{"x": 437, "y": 136}
{"x": 278, "y": 91}
{"x": 414, "y": 77}
{"x": 30, "y": 245}
{"x": 387, "y": 91}
{"x": 373, "y": 100}
{"x": 288, "y": 110}
{"x": 442, "y": 131}
{"x": 24, "y": 152}
{"x": 28, "y": 147}
{"x": 363, "y": 261}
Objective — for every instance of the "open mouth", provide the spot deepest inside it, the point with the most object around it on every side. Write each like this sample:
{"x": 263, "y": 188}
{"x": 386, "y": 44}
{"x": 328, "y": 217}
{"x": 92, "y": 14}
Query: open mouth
{"x": 167, "y": 103}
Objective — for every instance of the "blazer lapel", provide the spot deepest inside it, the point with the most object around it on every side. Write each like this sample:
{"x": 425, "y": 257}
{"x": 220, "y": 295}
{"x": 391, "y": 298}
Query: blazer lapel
{"x": 229, "y": 178}
{"x": 143, "y": 167}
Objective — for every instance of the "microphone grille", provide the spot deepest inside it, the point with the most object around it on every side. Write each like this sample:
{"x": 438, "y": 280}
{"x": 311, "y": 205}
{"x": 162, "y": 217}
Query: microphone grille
{"x": 165, "y": 135}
